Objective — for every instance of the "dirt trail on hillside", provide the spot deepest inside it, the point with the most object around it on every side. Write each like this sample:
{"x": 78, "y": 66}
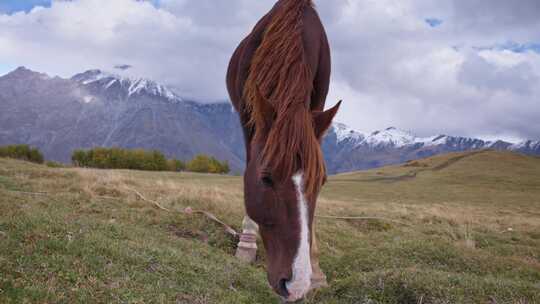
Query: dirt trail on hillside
{"x": 414, "y": 173}
{"x": 454, "y": 160}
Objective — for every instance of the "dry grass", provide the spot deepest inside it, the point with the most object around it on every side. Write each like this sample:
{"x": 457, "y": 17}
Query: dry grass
{"x": 469, "y": 235}
{"x": 167, "y": 190}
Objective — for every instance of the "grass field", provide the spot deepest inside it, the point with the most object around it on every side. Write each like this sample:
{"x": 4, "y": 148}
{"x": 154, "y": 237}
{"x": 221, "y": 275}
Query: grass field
{"x": 458, "y": 228}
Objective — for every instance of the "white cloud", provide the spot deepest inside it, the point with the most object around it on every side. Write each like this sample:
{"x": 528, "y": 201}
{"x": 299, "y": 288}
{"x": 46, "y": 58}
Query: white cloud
{"x": 389, "y": 65}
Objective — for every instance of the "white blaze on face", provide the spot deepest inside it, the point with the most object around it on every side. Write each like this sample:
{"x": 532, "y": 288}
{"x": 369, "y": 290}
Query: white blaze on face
{"x": 299, "y": 285}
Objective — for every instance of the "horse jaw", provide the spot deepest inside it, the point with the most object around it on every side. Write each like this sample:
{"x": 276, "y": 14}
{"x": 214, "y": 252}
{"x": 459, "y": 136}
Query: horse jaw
{"x": 300, "y": 283}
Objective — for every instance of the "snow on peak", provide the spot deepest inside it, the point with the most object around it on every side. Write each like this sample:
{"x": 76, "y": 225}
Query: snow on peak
{"x": 344, "y": 132}
{"x": 432, "y": 140}
{"x": 88, "y": 99}
{"x": 133, "y": 86}
{"x": 391, "y": 136}
{"x": 528, "y": 144}
{"x": 397, "y": 138}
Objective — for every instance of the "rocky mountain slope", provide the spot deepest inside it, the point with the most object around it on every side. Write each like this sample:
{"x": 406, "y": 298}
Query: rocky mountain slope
{"x": 352, "y": 150}
{"x": 96, "y": 108}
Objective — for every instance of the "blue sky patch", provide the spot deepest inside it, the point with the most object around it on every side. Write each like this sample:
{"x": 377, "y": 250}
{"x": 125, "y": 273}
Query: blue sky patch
{"x": 513, "y": 47}
{"x": 156, "y": 3}
{"x": 13, "y": 6}
{"x": 434, "y": 22}
{"x": 520, "y": 47}
{"x": 6, "y": 68}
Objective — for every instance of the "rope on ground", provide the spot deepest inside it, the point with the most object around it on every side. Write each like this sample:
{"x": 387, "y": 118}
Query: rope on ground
{"x": 29, "y": 193}
{"x": 229, "y": 229}
{"x": 56, "y": 193}
{"x": 189, "y": 211}
{"x": 147, "y": 200}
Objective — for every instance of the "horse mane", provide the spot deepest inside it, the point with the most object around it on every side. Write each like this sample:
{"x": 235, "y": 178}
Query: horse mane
{"x": 280, "y": 76}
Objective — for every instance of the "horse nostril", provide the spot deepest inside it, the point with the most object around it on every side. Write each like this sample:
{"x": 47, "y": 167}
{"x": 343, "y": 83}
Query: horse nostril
{"x": 283, "y": 288}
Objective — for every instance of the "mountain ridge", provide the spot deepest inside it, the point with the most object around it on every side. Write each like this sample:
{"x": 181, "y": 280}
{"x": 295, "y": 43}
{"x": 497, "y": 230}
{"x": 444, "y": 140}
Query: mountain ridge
{"x": 400, "y": 138}
{"x": 98, "y": 108}
{"x": 108, "y": 80}
{"x": 60, "y": 115}
{"x": 354, "y": 150}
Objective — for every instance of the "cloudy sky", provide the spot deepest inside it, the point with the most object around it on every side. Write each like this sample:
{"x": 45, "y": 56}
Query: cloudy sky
{"x": 457, "y": 67}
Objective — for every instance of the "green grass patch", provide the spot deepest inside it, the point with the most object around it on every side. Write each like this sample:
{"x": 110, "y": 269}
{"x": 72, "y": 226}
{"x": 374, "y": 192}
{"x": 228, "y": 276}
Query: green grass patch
{"x": 463, "y": 229}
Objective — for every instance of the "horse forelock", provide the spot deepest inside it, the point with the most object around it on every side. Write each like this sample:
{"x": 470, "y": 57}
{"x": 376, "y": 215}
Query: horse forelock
{"x": 277, "y": 93}
{"x": 291, "y": 145}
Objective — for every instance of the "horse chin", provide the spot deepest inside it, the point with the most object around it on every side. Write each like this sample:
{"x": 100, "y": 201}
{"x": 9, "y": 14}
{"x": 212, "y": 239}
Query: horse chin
{"x": 298, "y": 289}
{"x": 300, "y": 284}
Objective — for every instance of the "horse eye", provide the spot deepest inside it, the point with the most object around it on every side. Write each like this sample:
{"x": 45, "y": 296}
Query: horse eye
{"x": 268, "y": 224}
{"x": 267, "y": 181}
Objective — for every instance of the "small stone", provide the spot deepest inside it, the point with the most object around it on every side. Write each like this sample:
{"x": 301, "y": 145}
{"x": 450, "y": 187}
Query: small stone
{"x": 3, "y": 234}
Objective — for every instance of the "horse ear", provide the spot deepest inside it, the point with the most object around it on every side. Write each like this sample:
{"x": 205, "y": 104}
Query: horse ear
{"x": 323, "y": 119}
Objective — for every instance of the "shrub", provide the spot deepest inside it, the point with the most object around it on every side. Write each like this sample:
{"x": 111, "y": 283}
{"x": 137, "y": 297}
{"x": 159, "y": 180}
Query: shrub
{"x": 53, "y": 164}
{"x": 22, "y": 152}
{"x": 116, "y": 158}
{"x": 206, "y": 164}
{"x": 79, "y": 158}
{"x": 201, "y": 164}
{"x": 176, "y": 165}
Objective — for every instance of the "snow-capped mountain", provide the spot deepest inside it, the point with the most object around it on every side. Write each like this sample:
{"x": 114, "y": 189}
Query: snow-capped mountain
{"x": 397, "y": 138}
{"x": 390, "y": 137}
{"x": 527, "y": 145}
{"x": 347, "y": 135}
{"x": 131, "y": 86}
{"x": 348, "y": 149}
{"x": 96, "y": 108}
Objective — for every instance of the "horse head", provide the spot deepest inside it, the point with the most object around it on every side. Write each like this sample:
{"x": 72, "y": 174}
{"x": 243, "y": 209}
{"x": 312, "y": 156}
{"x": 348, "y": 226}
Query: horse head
{"x": 282, "y": 202}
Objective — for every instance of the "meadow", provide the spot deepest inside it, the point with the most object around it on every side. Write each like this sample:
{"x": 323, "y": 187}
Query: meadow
{"x": 456, "y": 228}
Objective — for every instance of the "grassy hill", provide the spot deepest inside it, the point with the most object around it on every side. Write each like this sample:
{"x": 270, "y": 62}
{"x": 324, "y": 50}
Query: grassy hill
{"x": 458, "y": 228}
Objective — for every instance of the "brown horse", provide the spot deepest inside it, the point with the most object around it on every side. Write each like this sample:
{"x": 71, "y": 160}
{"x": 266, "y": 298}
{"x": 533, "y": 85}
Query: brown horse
{"x": 278, "y": 81}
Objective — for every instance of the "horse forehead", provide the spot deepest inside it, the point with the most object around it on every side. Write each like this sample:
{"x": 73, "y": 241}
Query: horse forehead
{"x": 298, "y": 180}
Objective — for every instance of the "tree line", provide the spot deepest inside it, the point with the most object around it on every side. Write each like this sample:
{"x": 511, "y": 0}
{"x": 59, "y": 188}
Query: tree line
{"x": 139, "y": 159}
{"x": 117, "y": 158}
{"x": 22, "y": 152}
